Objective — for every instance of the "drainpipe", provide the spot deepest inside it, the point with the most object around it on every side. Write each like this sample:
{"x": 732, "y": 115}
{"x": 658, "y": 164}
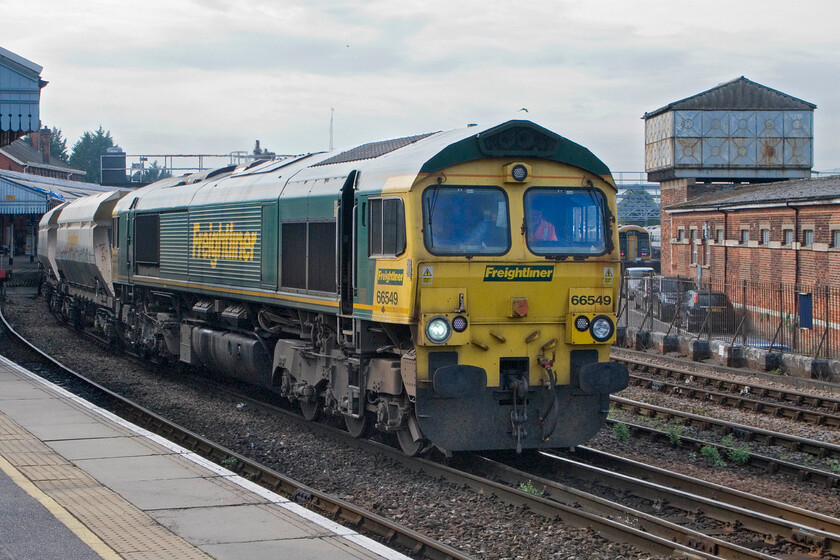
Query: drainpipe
{"x": 796, "y": 247}
{"x": 796, "y": 241}
{"x": 725, "y": 244}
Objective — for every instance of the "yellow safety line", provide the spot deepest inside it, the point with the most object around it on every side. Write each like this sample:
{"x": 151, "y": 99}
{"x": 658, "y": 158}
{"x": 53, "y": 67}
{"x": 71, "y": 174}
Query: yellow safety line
{"x": 76, "y": 526}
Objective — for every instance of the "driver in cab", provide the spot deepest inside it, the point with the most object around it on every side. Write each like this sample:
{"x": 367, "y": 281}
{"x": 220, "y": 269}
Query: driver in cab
{"x": 540, "y": 229}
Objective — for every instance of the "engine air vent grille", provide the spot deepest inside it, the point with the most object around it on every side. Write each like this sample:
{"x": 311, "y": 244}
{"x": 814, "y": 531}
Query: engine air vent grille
{"x": 518, "y": 141}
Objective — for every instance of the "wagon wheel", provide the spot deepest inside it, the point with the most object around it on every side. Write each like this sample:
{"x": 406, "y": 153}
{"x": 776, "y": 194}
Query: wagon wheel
{"x": 407, "y": 443}
{"x": 358, "y": 427}
{"x": 311, "y": 410}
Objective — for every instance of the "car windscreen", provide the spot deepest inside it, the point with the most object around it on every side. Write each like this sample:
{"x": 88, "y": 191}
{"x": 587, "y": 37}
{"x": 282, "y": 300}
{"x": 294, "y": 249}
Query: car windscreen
{"x": 565, "y": 221}
{"x": 673, "y": 285}
{"x": 466, "y": 221}
{"x": 711, "y": 300}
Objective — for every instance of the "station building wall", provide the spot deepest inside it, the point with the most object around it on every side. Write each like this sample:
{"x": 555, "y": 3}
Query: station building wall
{"x": 790, "y": 245}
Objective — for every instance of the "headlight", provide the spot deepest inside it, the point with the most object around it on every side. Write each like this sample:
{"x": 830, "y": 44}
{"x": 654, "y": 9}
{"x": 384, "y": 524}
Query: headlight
{"x": 602, "y": 328}
{"x": 438, "y": 330}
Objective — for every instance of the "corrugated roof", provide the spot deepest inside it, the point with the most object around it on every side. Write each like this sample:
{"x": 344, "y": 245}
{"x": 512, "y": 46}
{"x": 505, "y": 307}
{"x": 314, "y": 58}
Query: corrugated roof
{"x": 739, "y": 94}
{"x": 58, "y": 189}
{"x": 373, "y": 149}
{"x": 793, "y": 191}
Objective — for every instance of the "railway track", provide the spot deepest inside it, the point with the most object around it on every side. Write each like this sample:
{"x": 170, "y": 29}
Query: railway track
{"x": 364, "y": 521}
{"x": 710, "y": 518}
{"x": 750, "y": 395}
{"x": 807, "y": 534}
{"x": 818, "y": 449}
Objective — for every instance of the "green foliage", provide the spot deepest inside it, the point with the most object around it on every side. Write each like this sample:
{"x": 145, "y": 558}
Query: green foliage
{"x": 712, "y": 456}
{"x": 675, "y": 434}
{"x": 58, "y": 145}
{"x": 87, "y": 152}
{"x": 155, "y": 173}
{"x": 529, "y": 488}
{"x": 621, "y": 431}
{"x": 230, "y": 462}
{"x": 834, "y": 466}
{"x": 739, "y": 455}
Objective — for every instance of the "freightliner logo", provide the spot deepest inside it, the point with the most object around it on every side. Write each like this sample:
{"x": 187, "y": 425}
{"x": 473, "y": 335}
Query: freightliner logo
{"x": 390, "y": 276}
{"x": 519, "y": 273}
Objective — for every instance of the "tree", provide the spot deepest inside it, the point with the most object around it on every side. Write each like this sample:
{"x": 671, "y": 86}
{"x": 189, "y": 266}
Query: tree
{"x": 155, "y": 173}
{"x": 58, "y": 145}
{"x": 87, "y": 153}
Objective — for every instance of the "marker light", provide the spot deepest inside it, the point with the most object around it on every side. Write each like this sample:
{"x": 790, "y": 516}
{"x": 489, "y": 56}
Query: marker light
{"x": 519, "y": 172}
{"x": 602, "y": 328}
{"x": 582, "y": 323}
{"x": 459, "y": 324}
{"x": 438, "y": 330}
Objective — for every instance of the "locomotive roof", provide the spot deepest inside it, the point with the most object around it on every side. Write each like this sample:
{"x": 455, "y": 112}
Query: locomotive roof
{"x": 390, "y": 165}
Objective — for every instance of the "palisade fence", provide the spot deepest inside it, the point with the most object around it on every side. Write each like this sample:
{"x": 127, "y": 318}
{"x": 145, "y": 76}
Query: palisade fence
{"x": 802, "y": 319}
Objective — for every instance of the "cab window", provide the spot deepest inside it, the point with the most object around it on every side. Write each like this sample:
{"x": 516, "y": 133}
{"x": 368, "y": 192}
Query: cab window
{"x": 466, "y": 221}
{"x": 387, "y": 227}
{"x": 565, "y": 221}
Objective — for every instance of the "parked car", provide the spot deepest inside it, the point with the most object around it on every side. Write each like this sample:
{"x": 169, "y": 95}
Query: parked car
{"x": 633, "y": 276}
{"x": 662, "y": 295}
{"x": 697, "y": 304}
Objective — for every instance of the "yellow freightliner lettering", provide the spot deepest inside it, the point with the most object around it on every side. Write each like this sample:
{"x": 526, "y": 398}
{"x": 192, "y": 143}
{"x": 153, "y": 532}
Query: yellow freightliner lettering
{"x": 221, "y": 243}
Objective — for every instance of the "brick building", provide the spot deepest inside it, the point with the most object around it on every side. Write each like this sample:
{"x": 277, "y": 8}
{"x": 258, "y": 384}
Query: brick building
{"x": 736, "y": 133}
{"x": 35, "y": 158}
{"x": 742, "y": 215}
{"x": 786, "y": 232}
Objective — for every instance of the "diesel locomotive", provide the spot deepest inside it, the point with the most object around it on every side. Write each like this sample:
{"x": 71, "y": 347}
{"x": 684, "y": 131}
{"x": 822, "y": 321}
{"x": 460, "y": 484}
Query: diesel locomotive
{"x": 455, "y": 289}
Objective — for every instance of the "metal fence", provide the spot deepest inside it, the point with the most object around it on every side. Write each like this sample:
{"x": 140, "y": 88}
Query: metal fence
{"x": 803, "y": 319}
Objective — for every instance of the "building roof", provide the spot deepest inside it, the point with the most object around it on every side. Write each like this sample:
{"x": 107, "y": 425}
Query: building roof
{"x": 59, "y": 190}
{"x": 23, "y": 153}
{"x": 28, "y": 64}
{"x": 796, "y": 192}
{"x": 739, "y": 94}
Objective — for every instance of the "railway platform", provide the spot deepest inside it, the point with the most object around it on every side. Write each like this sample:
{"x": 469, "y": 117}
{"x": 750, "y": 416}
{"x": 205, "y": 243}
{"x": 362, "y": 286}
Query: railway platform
{"x": 78, "y": 483}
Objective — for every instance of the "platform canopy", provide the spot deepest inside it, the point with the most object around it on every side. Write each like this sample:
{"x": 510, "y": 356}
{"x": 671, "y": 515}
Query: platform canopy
{"x": 22, "y": 193}
{"x": 20, "y": 96}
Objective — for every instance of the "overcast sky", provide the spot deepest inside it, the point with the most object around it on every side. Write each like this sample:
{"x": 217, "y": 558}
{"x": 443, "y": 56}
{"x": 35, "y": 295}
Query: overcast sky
{"x": 212, "y": 76}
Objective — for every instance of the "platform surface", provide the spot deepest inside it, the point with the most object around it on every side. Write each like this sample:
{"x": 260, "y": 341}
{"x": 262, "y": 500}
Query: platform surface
{"x": 79, "y": 483}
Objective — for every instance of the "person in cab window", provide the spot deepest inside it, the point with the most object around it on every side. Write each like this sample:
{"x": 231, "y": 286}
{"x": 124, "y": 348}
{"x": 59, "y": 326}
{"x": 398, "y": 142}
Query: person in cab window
{"x": 540, "y": 229}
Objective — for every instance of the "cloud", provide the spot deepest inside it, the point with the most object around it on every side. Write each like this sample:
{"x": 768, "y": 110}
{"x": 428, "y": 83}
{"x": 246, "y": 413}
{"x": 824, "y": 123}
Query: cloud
{"x": 214, "y": 75}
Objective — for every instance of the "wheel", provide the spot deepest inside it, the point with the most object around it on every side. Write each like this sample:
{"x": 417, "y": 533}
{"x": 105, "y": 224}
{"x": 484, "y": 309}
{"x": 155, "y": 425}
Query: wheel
{"x": 407, "y": 443}
{"x": 310, "y": 410}
{"x": 358, "y": 427}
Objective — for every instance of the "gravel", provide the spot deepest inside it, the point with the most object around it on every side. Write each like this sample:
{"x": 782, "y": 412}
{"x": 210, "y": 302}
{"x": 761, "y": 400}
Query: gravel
{"x": 478, "y": 524}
